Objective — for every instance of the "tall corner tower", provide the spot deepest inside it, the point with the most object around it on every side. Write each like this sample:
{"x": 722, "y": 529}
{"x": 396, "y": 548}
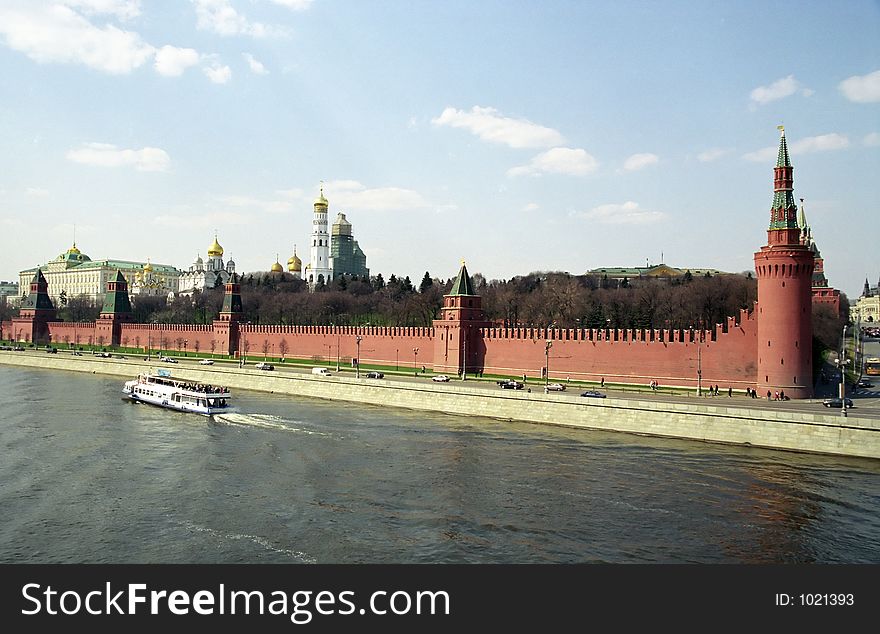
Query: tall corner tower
{"x": 784, "y": 269}
{"x": 319, "y": 252}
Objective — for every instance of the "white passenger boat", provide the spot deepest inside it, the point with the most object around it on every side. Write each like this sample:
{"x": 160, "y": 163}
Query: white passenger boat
{"x": 184, "y": 396}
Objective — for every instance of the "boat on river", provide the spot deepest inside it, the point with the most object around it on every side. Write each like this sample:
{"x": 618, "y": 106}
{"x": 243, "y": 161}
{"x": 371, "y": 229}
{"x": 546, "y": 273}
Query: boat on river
{"x": 163, "y": 390}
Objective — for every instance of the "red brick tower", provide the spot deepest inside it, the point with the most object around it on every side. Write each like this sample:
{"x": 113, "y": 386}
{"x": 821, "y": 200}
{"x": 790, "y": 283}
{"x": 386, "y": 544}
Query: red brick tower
{"x": 36, "y": 312}
{"x": 785, "y": 270}
{"x": 115, "y": 311}
{"x": 226, "y": 327}
{"x": 457, "y": 344}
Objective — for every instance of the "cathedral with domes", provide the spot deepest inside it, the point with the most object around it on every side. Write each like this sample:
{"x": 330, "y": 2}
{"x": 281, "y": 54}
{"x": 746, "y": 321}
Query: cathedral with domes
{"x": 211, "y": 274}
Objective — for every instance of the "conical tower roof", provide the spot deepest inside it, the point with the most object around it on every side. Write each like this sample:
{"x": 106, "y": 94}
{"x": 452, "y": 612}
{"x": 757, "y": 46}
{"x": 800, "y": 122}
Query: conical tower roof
{"x": 463, "y": 284}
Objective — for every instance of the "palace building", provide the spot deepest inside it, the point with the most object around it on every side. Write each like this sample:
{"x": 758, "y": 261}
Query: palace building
{"x": 75, "y": 274}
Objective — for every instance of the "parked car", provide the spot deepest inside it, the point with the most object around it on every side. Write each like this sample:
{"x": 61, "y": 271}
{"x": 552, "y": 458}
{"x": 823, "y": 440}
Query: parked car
{"x": 262, "y": 365}
{"x": 864, "y": 383}
{"x": 167, "y": 360}
{"x": 554, "y": 387}
{"x": 375, "y": 375}
{"x": 511, "y": 384}
{"x": 836, "y": 402}
{"x": 593, "y": 394}
{"x": 18, "y": 348}
{"x": 440, "y": 378}
{"x": 52, "y": 350}
{"x": 321, "y": 371}
{"x": 104, "y": 355}
{"x": 206, "y": 362}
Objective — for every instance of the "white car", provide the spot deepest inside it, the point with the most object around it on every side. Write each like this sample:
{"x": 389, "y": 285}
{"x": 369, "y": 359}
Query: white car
{"x": 206, "y": 362}
{"x": 440, "y": 378}
{"x": 167, "y": 360}
{"x": 555, "y": 387}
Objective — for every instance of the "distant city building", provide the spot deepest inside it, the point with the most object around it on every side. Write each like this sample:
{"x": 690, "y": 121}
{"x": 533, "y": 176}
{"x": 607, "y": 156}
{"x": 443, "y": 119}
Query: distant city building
{"x": 211, "y": 274}
{"x": 656, "y": 271}
{"x": 9, "y": 293}
{"x": 328, "y": 261}
{"x": 867, "y": 308}
{"x": 75, "y": 274}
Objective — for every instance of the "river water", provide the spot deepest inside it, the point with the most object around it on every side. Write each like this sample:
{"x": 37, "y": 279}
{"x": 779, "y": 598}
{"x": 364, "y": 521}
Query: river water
{"x": 89, "y": 478}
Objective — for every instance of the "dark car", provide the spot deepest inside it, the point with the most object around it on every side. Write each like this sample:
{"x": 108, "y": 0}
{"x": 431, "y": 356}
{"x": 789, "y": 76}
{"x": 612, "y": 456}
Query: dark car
{"x": 375, "y": 375}
{"x": 511, "y": 385}
{"x": 52, "y": 350}
{"x": 864, "y": 383}
{"x": 836, "y": 402}
{"x": 593, "y": 394}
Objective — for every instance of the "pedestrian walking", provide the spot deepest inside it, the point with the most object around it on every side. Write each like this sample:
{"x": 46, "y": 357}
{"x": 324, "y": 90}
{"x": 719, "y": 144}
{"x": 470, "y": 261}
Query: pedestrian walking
{"x": 729, "y": 392}
{"x": 768, "y": 395}
{"x": 603, "y": 382}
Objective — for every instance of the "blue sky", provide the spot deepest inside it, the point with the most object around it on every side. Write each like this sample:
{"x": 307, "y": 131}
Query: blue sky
{"x": 519, "y": 136}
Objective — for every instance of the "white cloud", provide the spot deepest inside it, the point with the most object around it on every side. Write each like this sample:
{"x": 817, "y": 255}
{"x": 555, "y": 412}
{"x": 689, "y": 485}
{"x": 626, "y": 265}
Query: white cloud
{"x": 862, "y": 88}
{"x": 295, "y": 193}
{"x": 639, "y": 161}
{"x": 36, "y": 192}
{"x": 820, "y": 143}
{"x": 220, "y": 17}
{"x": 256, "y": 67}
{"x": 872, "y": 140}
{"x": 295, "y": 5}
{"x": 779, "y": 89}
{"x": 216, "y": 71}
{"x": 344, "y": 195}
{"x": 531, "y": 207}
{"x": 559, "y": 160}
{"x": 172, "y": 61}
{"x": 148, "y": 159}
{"x": 628, "y": 213}
{"x": 122, "y": 9}
{"x": 57, "y": 33}
{"x": 712, "y": 155}
{"x": 489, "y": 125}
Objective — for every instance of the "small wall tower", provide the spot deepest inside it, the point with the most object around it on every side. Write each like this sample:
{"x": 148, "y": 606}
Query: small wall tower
{"x": 784, "y": 269}
{"x": 457, "y": 343}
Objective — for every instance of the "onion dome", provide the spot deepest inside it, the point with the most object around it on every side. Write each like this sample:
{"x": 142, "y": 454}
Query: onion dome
{"x": 73, "y": 250}
{"x": 148, "y": 268}
{"x": 276, "y": 267}
{"x": 321, "y": 203}
{"x": 294, "y": 264}
{"x": 215, "y": 250}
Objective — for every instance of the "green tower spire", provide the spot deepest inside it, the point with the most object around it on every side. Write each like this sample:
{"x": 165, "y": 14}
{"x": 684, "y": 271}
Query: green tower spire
{"x": 463, "y": 284}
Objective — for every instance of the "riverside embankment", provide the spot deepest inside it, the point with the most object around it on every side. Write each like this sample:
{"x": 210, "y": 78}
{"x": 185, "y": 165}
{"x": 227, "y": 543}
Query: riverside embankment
{"x": 819, "y": 432}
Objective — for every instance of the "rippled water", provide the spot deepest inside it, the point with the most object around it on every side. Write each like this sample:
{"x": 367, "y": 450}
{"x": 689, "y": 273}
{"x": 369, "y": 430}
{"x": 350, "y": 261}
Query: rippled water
{"x": 87, "y": 477}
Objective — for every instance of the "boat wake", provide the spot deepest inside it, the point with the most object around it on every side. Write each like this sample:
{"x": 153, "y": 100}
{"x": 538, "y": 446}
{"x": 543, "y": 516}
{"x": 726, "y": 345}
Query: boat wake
{"x": 255, "y": 539}
{"x": 265, "y": 421}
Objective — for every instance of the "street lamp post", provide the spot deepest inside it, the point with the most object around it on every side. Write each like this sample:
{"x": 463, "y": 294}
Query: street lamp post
{"x": 397, "y": 360}
{"x": 547, "y": 347}
{"x": 185, "y": 341}
{"x": 357, "y": 364}
{"x": 842, "y": 368}
{"x": 415, "y": 360}
{"x": 337, "y": 350}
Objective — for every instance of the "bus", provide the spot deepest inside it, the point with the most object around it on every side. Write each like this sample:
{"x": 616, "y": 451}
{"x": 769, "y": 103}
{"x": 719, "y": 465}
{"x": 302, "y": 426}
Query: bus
{"x": 872, "y": 366}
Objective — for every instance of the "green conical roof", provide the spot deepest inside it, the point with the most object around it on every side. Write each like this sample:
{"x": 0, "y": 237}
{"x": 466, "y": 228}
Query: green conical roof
{"x": 782, "y": 159}
{"x": 116, "y": 302}
{"x": 39, "y": 300}
{"x": 463, "y": 284}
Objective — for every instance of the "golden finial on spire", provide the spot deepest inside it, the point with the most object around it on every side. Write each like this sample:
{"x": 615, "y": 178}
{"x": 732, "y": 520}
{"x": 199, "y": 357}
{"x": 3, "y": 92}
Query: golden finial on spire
{"x": 462, "y": 261}
{"x": 781, "y": 129}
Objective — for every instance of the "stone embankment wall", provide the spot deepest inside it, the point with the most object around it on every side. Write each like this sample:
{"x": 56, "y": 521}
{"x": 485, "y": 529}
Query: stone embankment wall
{"x": 792, "y": 430}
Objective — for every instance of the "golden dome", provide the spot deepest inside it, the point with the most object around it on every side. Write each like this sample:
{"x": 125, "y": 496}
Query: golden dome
{"x": 215, "y": 250}
{"x": 294, "y": 264}
{"x": 148, "y": 268}
{"x": 320, "y": 201}
{"x": 73, "y": 249}
{"x": 277, "y": 268}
